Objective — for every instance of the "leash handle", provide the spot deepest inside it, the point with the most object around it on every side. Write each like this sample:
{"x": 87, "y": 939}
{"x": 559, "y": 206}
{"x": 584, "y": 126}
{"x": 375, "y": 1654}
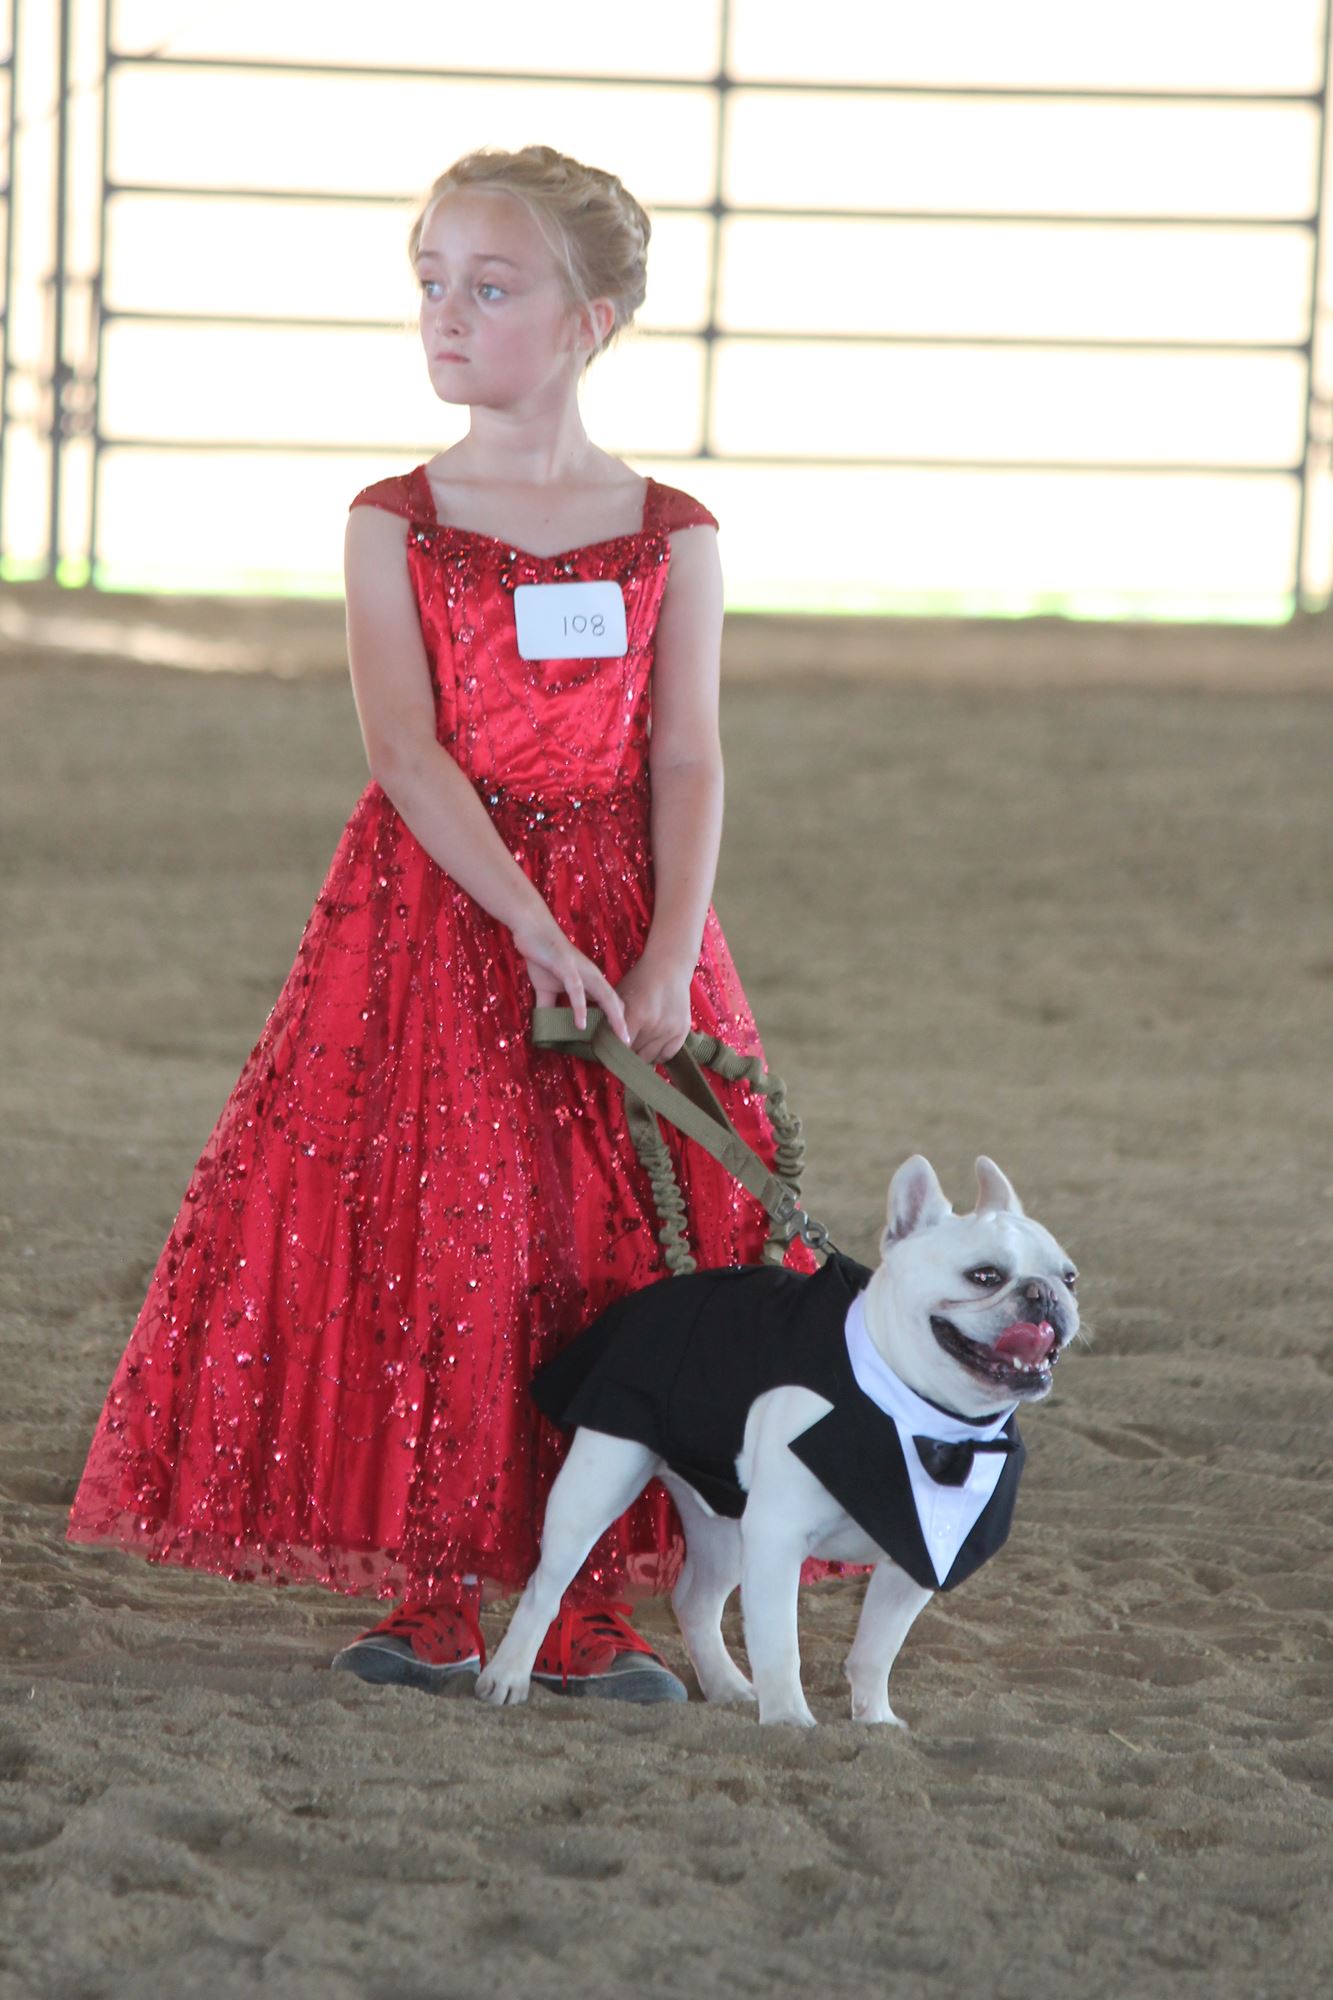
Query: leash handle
{"x": 688, "y": 1103}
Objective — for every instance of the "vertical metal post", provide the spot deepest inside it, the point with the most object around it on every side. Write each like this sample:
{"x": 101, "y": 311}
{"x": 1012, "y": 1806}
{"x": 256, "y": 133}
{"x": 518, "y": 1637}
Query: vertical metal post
{"x": 99, "y": 289}
{"x": 58, "y": 284}
{"x": 722, "y": 85}
{"x": 1316, "y": 291}
{"x": 7, "y": 318}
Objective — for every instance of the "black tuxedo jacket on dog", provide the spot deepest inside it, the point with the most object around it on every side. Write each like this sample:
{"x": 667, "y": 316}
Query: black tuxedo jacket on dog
{"x": 678, "y": 1365}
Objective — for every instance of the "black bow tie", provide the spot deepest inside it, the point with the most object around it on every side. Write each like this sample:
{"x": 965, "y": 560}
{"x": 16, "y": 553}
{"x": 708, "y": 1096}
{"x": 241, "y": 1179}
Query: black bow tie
{"x": 949, "y": 1464}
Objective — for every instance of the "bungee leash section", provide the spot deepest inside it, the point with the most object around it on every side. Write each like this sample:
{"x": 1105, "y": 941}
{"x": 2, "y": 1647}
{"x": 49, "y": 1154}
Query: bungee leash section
{"x": 689, "y": 1104}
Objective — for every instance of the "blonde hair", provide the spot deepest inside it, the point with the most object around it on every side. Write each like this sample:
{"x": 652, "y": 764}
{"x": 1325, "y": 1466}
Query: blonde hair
{"x": 592, "y": 224}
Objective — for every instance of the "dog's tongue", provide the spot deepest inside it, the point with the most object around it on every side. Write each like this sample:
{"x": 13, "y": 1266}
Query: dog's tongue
{"x": 1026, "y": 1343}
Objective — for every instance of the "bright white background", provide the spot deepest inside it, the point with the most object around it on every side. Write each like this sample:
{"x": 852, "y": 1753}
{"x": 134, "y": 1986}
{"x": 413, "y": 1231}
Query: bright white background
{"x": 808, "y": 523}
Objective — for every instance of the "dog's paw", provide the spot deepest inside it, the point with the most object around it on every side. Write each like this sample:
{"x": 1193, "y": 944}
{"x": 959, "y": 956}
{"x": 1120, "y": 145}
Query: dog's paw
{"x": 877, "y": 1711}
{"x": 727, "y": 1688}
{"x": 501, "y": 1689}
{"x": 797, "y": 1714}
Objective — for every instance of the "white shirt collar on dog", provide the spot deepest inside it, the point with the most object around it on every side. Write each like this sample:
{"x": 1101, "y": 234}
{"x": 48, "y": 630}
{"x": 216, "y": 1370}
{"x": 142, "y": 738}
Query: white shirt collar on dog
{"x": 947, "y": 1514}
{"x": 887, "y": 1390}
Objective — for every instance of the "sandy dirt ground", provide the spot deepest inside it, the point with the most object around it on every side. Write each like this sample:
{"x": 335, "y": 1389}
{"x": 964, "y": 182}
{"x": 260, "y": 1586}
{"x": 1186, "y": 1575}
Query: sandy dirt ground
{"x": 1061, "y": 896}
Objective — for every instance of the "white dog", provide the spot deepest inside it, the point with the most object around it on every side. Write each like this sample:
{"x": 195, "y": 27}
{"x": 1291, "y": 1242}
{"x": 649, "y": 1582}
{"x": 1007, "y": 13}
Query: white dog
{"x": 866, "y": 1417}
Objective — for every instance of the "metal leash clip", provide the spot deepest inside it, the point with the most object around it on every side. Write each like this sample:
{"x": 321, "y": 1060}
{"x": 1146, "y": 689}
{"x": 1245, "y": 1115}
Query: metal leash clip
{"x": 791, "y": 1219}
{"x": 815, "y": 1235}
{"x": 788, "y": 1216}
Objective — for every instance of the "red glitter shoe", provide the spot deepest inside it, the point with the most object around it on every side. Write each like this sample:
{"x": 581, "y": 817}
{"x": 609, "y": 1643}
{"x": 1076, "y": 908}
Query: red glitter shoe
{"x": 598, "y": 1652}
{"x": 425, "y": 1646}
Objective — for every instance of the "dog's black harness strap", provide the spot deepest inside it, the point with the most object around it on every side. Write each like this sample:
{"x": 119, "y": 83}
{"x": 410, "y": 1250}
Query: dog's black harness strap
{"x": 689, "y": 1104}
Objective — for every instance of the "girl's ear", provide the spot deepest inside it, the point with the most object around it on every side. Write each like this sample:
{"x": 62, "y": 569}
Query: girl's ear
{"x": 595, "y": 323}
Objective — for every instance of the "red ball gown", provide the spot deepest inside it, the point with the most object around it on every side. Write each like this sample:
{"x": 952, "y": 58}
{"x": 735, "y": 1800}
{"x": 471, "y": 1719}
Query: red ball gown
{"x": 404, "y": 1209}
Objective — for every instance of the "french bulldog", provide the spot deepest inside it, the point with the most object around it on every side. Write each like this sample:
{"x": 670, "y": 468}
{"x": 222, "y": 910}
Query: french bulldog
{"x": 866, "y": 1417}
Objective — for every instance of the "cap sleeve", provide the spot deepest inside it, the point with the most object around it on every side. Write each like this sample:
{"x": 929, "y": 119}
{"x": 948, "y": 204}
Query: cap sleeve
{"x": 399, "y": 495}
{"x": 670, "y": 508}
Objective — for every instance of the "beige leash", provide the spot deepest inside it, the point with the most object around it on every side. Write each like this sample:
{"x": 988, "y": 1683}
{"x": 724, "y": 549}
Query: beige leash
{"x": 687, "y": 1101}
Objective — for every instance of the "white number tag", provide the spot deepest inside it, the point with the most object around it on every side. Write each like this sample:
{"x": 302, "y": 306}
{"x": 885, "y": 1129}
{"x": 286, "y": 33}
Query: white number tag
{"x": 570, "y": 621}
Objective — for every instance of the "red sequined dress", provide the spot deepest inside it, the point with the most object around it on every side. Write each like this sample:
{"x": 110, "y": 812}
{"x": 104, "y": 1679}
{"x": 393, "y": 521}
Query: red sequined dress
{"x": 403, "y": 1209}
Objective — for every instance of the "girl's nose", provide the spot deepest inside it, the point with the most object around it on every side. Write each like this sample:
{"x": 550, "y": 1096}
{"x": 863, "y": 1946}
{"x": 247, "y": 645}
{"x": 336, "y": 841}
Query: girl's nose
{"x": 449, "y": 311}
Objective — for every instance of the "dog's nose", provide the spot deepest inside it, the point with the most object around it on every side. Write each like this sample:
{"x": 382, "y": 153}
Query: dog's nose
{"x": 1044, "y": 1304}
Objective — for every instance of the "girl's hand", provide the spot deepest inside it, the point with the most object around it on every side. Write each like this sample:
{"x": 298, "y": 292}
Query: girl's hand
{"x": 558, "y": 970}
{"x": 656, "y": 998}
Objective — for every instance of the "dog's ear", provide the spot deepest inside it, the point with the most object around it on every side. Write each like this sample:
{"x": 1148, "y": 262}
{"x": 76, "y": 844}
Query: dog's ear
{"x": 994, "y": 1190}
{"x": 916, "y": 1199}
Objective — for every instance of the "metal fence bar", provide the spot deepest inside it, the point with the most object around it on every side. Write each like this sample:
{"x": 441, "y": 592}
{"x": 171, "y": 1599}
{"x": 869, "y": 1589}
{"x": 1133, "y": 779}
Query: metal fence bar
{"x": 1068, "y": 219}
{"x": 340, "y": 447}
{"x": 1316, "y": 289}
{"x": 100, "y": 315}
{"x": 718, "y": 211}
{"x": 1039, "y": 342}
{"x": 840, "y": 87}
{"x": 59, "y": 284}
{"x": 11, "y": 65}
{"x": 722, "y": 84}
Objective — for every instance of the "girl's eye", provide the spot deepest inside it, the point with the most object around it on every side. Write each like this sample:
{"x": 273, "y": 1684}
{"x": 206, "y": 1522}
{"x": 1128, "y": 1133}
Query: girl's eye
{"x": 985, "y": 1275}
{"x": 430, "y": 286}
{"x": 489, "y": 291}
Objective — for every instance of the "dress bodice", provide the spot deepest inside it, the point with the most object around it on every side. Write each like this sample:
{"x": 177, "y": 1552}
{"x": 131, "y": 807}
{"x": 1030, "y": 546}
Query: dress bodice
{"x": 536, "y": 728}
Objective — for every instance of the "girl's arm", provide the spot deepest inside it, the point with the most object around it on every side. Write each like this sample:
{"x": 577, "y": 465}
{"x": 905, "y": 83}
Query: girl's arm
{"x": 396, "y": 710}
{"x": 685, "y": 757}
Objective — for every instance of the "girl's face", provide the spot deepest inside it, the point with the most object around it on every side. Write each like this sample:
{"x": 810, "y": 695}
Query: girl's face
{"x": 496, "y": 320}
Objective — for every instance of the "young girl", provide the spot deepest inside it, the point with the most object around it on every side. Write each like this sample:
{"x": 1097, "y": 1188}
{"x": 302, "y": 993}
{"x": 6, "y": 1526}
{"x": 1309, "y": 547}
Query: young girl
{"x": 405, "y": 1209}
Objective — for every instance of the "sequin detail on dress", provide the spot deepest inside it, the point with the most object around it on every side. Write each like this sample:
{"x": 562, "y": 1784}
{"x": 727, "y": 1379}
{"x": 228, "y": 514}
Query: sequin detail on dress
{"x": 404, "y": 1210}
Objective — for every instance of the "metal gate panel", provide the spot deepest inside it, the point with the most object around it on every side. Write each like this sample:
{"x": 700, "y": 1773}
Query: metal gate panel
{"x": 1046, "y": 211}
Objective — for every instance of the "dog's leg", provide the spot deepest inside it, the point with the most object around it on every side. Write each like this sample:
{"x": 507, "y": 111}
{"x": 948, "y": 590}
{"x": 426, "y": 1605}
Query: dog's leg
{"x": 892, "y": 1602}
{"x": 771, "y": 1557}
{"x": 599, "y": 1479}
{"x": 712, "y": 1571}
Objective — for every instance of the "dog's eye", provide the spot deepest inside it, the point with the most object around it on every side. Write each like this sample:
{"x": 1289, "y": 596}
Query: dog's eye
{"x": 985, "y": 1274}
{"x": 1071, "y": 1280}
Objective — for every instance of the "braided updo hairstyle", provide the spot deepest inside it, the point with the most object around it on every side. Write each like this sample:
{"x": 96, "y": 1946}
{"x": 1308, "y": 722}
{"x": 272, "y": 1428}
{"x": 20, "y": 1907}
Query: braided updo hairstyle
{"x": 592, "y": 224}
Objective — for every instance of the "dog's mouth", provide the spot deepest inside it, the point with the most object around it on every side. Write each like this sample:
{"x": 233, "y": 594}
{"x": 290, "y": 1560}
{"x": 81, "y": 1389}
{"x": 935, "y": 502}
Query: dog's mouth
{"x": 1021, "y": 1360}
